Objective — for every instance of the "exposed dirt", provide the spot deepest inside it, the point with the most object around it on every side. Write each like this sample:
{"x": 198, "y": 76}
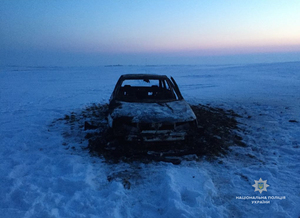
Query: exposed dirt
{"x": 217, "y": 130}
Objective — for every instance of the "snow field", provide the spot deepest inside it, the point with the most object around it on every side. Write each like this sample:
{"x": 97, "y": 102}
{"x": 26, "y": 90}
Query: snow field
{"x": 40, "y": 177}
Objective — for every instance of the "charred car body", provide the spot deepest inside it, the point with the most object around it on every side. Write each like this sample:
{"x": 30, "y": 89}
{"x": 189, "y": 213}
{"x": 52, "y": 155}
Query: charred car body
{"x": 149, "y": 108}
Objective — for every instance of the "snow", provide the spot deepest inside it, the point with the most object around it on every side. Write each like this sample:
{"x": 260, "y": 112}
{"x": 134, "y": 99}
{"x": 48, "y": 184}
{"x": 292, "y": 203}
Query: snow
{"x": 41, "y": 178}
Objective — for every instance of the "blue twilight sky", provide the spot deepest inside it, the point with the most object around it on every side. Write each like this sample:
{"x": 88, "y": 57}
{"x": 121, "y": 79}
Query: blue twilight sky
{"x": 97, "y": 32}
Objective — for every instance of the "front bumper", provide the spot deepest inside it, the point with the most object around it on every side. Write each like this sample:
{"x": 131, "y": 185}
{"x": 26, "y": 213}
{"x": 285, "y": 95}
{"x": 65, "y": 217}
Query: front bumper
{"x": 156, "y": 136}
{"x": 127, "y": 130}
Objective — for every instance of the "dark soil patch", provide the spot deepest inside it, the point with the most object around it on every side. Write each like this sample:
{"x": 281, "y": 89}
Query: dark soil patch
{"x": 217, "y": 131}
{"x": 293, "y": 121}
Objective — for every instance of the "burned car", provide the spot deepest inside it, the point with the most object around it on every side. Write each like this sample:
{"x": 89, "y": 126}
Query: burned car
{"x": 149, "y": 108}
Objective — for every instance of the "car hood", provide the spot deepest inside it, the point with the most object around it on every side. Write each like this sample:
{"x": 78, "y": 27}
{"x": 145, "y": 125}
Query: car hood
{"x": 175, "y": 111}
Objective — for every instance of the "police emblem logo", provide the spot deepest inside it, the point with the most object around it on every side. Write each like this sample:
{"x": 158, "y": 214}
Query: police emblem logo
{"x": 260, "y": 185}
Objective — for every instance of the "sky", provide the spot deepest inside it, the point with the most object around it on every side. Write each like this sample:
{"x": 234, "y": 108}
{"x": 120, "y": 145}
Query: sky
{"x": 101, "y": 32}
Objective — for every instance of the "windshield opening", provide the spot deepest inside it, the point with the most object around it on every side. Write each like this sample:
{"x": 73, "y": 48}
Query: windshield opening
{"x": 146, "y": 90}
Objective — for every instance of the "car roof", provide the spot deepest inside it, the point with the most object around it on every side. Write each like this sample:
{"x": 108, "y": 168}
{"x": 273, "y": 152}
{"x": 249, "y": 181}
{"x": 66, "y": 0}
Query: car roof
{"x": 143, "y": 76}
